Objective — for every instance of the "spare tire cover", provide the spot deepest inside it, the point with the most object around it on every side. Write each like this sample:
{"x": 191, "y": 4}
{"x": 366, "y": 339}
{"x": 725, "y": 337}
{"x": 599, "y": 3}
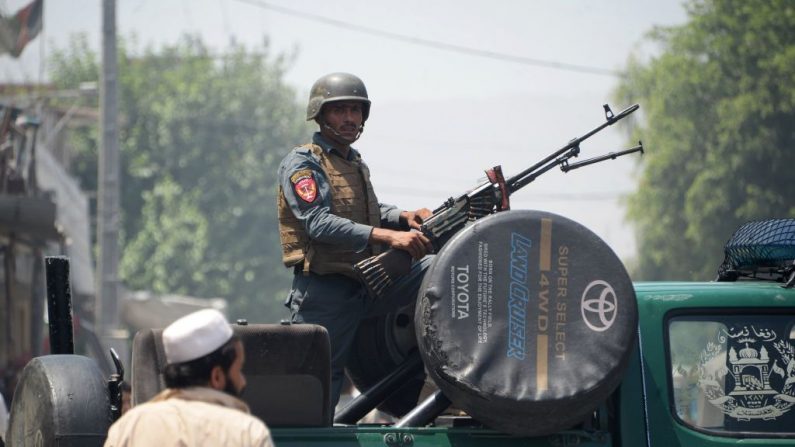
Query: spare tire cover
{"x": 60, "y": 400}
{"x": 526, "y": 320}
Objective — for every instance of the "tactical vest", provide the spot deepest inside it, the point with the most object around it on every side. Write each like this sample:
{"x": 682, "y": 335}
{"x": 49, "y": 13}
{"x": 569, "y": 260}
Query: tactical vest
{"x": 350, "y": 183}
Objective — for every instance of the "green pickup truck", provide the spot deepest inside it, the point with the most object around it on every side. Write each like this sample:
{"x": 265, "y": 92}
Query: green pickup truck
{"x": 698, "y": 383}
{"x": 714, "y": 365}
{"x": 594, "y": 360}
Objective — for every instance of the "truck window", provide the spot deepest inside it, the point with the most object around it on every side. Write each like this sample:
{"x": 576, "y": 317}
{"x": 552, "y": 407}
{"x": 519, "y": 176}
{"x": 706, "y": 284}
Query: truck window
{"x": 734, "y": 374}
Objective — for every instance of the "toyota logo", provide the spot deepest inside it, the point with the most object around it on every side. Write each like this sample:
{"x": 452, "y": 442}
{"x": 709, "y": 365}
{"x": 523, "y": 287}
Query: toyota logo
{"x": 599, "y": 306}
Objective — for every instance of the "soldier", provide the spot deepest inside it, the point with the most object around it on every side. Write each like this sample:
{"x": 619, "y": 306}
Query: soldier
{"x": 200, "y": 406}
{"x": 330, "y": 219}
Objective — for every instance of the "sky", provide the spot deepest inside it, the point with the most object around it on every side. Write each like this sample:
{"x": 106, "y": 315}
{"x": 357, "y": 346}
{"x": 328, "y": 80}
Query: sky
{"x": 439, "y": 117}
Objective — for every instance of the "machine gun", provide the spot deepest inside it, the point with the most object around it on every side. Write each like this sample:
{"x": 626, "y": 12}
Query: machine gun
{"x": 379, "y": 272}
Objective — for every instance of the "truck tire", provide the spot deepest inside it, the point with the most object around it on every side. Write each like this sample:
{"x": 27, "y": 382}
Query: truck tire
{"x": 60, "y": 400}
{"x": 382, "y": 343}
{"x": 526, "y": 320}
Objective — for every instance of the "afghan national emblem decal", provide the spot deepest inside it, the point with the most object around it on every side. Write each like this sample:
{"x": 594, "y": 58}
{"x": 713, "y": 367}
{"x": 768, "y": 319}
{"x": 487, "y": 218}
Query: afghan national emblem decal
{"x": 755, "y": 379}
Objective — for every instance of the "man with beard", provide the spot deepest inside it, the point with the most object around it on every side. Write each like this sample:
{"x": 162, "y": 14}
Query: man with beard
{"x": 330, "y": 219}
{"x": 201, "y": 405}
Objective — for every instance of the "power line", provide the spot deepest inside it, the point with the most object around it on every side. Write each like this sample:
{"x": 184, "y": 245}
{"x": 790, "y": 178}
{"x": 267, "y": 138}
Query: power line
{"x": 434, "y": 44}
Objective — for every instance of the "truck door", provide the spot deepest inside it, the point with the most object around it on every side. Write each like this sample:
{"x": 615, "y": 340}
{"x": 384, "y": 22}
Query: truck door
{"x": 719, "y": 376}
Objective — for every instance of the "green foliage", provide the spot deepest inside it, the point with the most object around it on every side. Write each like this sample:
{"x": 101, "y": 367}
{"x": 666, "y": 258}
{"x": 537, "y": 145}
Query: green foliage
{"x": 172, "y": 242}
{"x": 719, "y": 108}
{"x": 201, "y": 138}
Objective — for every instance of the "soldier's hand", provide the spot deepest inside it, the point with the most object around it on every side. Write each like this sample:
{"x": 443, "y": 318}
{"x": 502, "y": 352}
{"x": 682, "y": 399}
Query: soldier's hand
{"x": 414, "y": 219}
{"x": 413, "y": 242}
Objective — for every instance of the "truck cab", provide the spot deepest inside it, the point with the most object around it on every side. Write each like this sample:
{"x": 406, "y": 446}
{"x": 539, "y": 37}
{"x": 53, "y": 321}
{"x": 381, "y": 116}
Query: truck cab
{"x": 717, "y": 368}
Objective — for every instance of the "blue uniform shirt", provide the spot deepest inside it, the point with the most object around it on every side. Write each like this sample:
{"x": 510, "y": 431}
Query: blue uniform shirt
{"x": 318, "y": 221}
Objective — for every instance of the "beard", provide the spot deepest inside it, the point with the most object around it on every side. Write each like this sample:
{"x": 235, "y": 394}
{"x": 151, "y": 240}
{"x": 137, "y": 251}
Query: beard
{"x": 231, "y": 389}
{"x": 337, "y": 137}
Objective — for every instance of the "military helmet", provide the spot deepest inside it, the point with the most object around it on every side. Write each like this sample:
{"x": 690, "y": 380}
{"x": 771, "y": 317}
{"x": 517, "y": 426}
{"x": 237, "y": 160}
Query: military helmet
{"x": 337, "y": 87}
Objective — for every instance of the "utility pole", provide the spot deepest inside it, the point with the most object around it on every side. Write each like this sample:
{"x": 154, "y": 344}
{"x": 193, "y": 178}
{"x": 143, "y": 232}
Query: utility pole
{"x": 106, "y": 312}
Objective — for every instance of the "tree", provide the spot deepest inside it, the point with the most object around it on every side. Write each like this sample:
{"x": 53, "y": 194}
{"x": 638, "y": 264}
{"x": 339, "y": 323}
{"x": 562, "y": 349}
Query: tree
{"x": 201, "y": 138}
{"x": 172, "y": 242}
{"x": 719, "y": 108}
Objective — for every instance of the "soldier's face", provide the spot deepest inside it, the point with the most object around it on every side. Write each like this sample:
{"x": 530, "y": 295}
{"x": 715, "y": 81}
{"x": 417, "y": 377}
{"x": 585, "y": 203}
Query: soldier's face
{"x": 342, "y": 121}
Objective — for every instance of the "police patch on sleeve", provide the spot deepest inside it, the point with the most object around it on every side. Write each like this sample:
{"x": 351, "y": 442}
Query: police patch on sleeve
{"x": 304, "y": 185}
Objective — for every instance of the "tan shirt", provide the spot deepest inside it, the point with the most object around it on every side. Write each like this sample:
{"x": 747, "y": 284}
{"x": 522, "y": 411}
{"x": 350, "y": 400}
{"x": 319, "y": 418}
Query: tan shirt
{"x": 189, "y": 417}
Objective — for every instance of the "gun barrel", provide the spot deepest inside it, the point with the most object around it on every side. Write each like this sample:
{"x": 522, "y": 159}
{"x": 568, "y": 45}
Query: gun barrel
{"x": 608, "y": 156}
{"x": 573, "y": 147}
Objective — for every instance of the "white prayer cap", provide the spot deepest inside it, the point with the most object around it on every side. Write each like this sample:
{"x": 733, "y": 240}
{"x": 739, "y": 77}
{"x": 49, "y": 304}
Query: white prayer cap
{"x": 195, "y": 335}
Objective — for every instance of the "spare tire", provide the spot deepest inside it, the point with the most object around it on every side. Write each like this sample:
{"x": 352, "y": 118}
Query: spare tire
{"x": 526, "y": 321}
{"x": 60, "y": 400}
